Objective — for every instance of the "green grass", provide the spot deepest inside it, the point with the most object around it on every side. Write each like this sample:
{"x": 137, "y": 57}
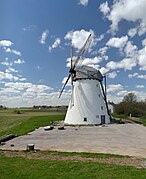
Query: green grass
{"x": 20, "y": 124}
{"x": 140, "y": 121}
{"x": 83, "y": 154}
{"x": 143, "y": 121}
{"x": 17, "y": 167}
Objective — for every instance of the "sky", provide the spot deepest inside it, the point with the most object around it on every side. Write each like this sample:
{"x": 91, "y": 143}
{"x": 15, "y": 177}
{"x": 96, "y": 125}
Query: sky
{"x": 36, "y": 38}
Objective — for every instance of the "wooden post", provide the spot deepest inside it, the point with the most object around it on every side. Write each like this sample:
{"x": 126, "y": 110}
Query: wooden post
{"x": 30, "y": 147}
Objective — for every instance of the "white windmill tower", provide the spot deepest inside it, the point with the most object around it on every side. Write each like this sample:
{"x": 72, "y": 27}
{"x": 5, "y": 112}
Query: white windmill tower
{"x": 88, "y": 103}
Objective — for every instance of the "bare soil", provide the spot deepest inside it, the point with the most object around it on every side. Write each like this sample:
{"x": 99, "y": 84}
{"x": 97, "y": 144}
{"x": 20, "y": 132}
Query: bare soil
{"x": 127, "y": 161}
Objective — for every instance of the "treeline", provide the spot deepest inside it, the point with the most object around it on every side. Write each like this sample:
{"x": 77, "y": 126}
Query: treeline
{"x": 131, "y": 106}
{"x": 2, "y": 107}
{"x": 49, "y": 107}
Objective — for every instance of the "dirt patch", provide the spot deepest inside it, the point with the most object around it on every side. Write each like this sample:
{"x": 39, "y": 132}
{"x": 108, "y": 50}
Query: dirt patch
{"x": 130, "y": 161}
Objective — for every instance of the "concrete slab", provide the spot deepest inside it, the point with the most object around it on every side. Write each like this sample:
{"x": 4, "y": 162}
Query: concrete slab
{"x": 124, "y": 139}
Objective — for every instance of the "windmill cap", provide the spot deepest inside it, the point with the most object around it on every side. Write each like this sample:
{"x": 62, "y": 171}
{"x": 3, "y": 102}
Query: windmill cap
{"x": 87, "y": 72}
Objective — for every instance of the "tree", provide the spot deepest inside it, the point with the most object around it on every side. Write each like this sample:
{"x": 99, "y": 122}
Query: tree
{"x": 130, "y": 98}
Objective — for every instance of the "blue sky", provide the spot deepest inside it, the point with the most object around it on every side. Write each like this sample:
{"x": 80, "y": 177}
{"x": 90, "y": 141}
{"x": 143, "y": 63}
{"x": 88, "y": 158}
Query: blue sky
{"x": 35, "y": 41}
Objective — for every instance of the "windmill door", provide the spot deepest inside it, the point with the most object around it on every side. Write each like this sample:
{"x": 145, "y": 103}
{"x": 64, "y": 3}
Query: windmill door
{"x": 102, "y": 119}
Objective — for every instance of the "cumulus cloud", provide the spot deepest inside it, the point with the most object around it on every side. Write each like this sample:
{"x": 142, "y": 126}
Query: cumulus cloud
{"x": 18, "y": 94}
{"x": 44, "y": 37}
{"x": 16, "y": 52}
{"x": 117, "y": 42}
{"x": 5, "y": 43}
{"x": 132, "y": 32}
{"x": 144, "y": 42}
{"x": 112, "y": 74}
{"x": 9, "y": 70}
{"x": 142, "y": 59}
{"x": 7, "y": 63}
{"x": 55, "y": 44}
{"x": 126, "y": 64}
{"x": 104, "y": 8}
{"x": 64, "y": 80}
{"x": 91, "y": 61}
{"x": 8, "y": 76}
{"x": 137, "y": 75}
{"x": 83, "y": 2}
{"x": 132, "y": 11}
{"x": 78, "y": 38}
{"x": 139, "y": 86}
{"x": 130, "y": 49}
{"x": 19, "y": 61}
{"x": 114, "y": 88}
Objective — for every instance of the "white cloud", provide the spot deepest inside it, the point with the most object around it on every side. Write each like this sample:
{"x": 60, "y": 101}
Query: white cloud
{"x": 29, "y": 28}
{"x": 91, "y": 61}
{"x": 132, "y": 11}
{"x": 126, "y": 64}
{"x": 55, "y": 44}
{"x": 64, "y": 80}
{"x": 142, "y": 59}
{"x": 112, "y": 74}
{"x": 133, "y": 75}
{"x": 78, "y": 38}
{"x": 103, "y": 50}
{"x": 139, "y": 86}
{"x": 99, "y": 38}
{"x": 130, "y": 49}
{"x": 5, "y": 91}
{"x": 132, "y": 32}
{"x": 5, "y": 43}
{"x": 104, "y": 8}
{"x": 16, "y": 52}
{"x": 19, "y": 61}
{"x": 44, "y": 37}
{"x": 136, "y": 75}
{"x": 104, "y": 70}
{"x": 122, "y": 93}
{"x": 144, "y": 42}
{"x": 114, "y": 88}
{"x": 7, "y": 63}
{"x": 9, "y": 70}
{"x": 18, "y": 94}
{"x": 83, "y": 2}
{"x": 9, "y": 76}
{"x": 117, "y": 42}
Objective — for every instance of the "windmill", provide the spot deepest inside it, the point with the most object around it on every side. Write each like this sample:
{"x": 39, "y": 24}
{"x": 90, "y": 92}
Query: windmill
{"x": 88, "y": 104}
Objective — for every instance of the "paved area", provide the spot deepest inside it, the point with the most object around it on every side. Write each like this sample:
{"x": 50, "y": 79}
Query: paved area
{"x": 124, "y": 139}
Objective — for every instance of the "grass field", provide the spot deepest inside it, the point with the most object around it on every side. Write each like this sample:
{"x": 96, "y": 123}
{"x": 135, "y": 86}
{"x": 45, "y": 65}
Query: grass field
{"x": 52, "y": 165}
{"x": 137, "y": 120}
{"x": 19, "y": 167}
{"x": 27, "y": 121}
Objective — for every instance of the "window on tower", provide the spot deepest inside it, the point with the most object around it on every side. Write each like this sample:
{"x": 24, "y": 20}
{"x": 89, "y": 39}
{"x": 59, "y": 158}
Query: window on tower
{"x": 85, "y": 119}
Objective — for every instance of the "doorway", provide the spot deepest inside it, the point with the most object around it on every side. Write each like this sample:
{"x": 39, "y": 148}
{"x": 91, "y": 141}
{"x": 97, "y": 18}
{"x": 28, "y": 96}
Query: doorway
{"x": 102, "y": 119}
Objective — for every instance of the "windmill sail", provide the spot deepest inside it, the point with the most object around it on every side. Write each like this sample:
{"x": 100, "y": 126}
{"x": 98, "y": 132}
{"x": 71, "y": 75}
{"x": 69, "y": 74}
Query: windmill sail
{"x": 73, "y": 66}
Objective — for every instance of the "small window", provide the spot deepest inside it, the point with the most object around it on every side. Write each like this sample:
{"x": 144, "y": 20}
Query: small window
{"x": 101, "y": 107}
{"x": 99, "y": 95}
{"x": 97, "y": 116}
{"x": 85, "y": 119}
{"x": 97, "y": 85}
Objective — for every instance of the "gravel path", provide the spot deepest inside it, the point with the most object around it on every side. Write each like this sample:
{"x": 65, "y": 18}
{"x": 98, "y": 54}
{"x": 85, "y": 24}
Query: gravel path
{"x": 122, "y": 139}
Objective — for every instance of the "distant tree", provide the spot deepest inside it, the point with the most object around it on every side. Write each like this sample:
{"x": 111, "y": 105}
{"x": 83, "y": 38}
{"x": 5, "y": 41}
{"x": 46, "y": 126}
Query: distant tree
{"x": 130, "y": 98}
{"x": 130, "y": 105}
